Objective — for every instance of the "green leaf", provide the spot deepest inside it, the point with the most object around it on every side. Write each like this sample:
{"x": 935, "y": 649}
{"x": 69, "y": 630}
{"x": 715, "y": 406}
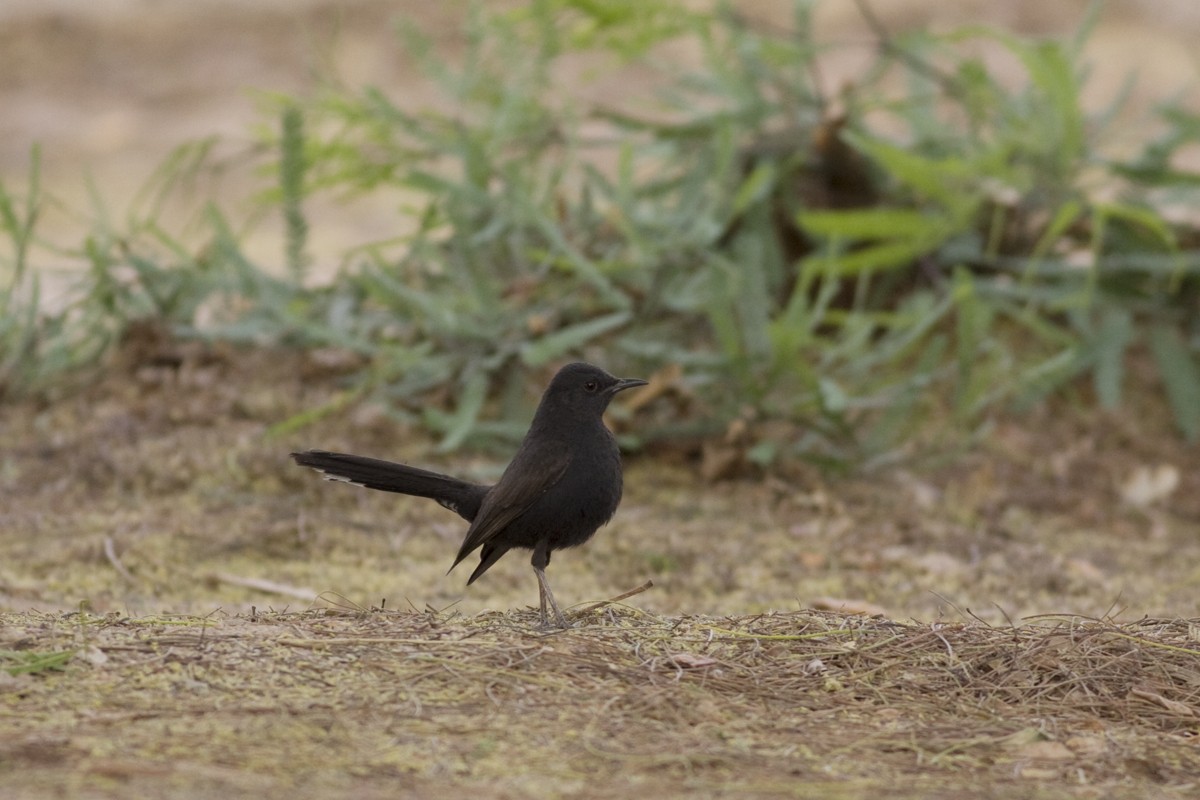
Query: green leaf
{"x": 833, "y": 397}
{"x": 311, "y": 415}
{"x": 1066, "y": 216}
{"x": 876, "y": 223}
{"x": 756, "y": 186}
{"x": 900, "y": 415}
{"x": 970, "y": 312}
{"x": 950, "y": 181}
{"x": 572, "y": 337}
{"x": 292, "y": 166}
{"x": 33, "y": 662}
{"x": 1180, "y": 376}
{"x": 875, "y": 258}
{"x": 1111, "y": 342}
{"x": 1052, "y": 72}
{"x": 1144, "y": 218}
{"x": 459, "y": 425}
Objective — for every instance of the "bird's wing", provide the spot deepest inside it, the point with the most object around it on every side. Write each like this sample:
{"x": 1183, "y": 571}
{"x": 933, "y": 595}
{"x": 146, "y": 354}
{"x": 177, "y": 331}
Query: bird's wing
{"x": 538, "y": 465}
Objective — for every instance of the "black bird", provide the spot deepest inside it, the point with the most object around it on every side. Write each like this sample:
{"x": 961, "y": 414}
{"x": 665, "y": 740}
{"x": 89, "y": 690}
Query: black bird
{"x": 562, "y": 485}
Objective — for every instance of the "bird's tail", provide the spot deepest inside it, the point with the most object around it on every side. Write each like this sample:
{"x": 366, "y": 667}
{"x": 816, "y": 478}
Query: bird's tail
{"x": 461, "y": 497}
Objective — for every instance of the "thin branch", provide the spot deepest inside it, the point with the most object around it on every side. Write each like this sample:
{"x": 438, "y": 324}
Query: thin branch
{"x": 263, "y": 585}
{"x": 623, "y": 596}
{"x": 110, "y": 552}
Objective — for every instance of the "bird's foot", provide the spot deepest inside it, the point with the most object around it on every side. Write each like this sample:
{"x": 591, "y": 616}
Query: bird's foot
{"x": 546, "y": 597}
{"x": 557, "y": 622}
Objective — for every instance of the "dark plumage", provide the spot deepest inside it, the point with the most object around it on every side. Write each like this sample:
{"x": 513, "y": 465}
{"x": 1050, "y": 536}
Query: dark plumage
{"x": 561, "y": 486}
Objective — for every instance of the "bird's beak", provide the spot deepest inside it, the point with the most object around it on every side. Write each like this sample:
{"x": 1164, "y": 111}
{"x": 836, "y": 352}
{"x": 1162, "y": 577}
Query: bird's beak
{"x": 626, "y": 383}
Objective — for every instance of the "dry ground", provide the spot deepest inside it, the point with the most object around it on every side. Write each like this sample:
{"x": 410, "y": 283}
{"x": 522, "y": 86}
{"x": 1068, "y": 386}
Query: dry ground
{"x": 216, "y": 605}
{"x": 799, "y": 704}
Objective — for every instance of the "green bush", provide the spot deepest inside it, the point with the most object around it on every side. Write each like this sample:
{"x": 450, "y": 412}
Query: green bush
{"x": 842, "y": 268}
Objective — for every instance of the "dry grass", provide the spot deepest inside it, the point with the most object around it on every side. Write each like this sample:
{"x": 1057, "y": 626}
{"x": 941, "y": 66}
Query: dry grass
{"x": 334, "y": 701}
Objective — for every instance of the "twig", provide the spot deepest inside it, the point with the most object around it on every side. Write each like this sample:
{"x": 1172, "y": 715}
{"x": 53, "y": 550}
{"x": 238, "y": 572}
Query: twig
{"x": 623, "y": 596}
{"x": 785, "y": 637}
{"x": 352, "y": 641}
{"x": 888, "y": 45}
{"x": 263, "y": 585}
{"x": 110, "y": 552}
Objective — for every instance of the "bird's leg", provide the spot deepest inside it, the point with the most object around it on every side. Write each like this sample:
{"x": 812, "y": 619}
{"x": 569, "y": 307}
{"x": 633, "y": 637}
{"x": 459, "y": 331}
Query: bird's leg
{"x": 540, "y": 560}
{"x": 546, "y": 594}
{"x": 542, "y": 596}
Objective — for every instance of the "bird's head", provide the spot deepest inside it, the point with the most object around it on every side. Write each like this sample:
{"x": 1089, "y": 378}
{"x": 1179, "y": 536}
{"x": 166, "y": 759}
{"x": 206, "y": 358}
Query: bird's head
{"x": 585, "y": 387}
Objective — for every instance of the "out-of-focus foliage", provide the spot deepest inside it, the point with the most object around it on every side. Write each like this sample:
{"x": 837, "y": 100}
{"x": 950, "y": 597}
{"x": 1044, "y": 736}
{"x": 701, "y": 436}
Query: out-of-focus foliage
{"x": 840, "y": 265}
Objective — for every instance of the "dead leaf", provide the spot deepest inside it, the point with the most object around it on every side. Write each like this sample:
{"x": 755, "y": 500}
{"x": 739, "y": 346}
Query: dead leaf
{"x": 940, "y": 564}
{"x": 1046, "y": 751}
{"x": 1084, "y": 570}
{"x": 1174, "y": 706}
{"x": 1023, "y": 738}
{"x": 667, "y": 379}
{"x": 691, "y": 660}
{"x": 1147, "y": 485}
{"x": 811, "y": 560}
{"x": 1087, "y": 746}
{"x": 719, "y": 461}
{"x": 94, "y": 656}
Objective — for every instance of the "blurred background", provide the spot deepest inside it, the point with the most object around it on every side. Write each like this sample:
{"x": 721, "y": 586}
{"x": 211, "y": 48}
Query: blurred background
{"x": 110, "y": 87}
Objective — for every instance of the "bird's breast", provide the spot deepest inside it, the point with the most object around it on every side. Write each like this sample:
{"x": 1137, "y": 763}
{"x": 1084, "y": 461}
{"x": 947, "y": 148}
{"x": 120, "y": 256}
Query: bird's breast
{"x": 585, "y": 498}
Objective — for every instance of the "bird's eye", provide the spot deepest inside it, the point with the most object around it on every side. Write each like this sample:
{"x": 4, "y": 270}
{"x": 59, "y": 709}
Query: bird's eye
{"x": 590, "y": 386}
